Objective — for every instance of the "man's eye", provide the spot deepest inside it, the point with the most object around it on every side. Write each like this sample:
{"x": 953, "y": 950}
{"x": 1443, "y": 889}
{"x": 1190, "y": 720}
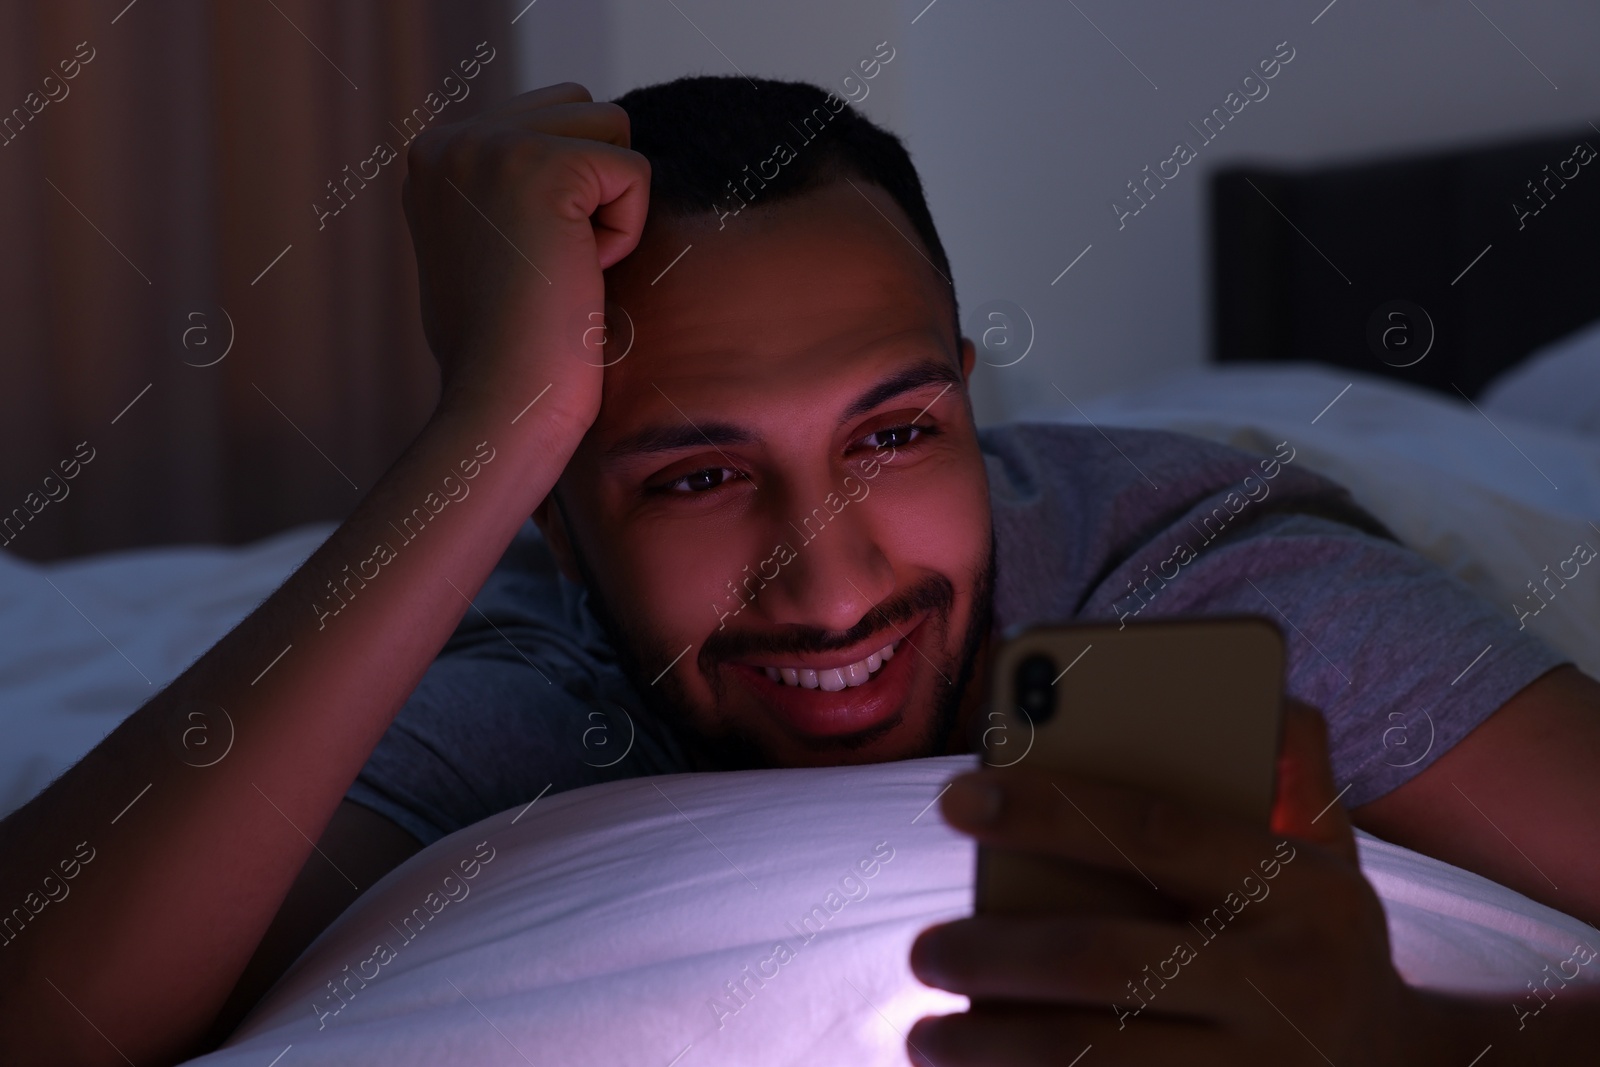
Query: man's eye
{"x": 895, "y": 436}
{"x": 701, "y": 480}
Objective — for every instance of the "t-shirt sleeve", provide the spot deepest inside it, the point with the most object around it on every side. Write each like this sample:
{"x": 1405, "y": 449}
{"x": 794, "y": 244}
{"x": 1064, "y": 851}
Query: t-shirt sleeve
{"x": 524, "y": 700}
{"x": 1402, "y": 658}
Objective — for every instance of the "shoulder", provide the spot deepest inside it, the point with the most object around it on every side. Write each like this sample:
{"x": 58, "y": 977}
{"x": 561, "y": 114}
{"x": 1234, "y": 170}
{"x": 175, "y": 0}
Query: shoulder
{"x": 1136, "y": 477}
{"x": 1072, "y": 502}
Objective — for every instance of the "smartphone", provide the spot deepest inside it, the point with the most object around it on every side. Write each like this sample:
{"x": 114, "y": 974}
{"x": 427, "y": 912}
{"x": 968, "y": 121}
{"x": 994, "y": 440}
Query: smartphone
{"x": 1187, "y": 708}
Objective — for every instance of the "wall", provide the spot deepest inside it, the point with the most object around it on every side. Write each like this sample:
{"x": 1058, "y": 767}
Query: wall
{"x": 1027, "y": 118}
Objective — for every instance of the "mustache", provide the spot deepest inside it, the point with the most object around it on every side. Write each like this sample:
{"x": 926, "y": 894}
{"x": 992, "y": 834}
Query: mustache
{"x": 934, "y": 593}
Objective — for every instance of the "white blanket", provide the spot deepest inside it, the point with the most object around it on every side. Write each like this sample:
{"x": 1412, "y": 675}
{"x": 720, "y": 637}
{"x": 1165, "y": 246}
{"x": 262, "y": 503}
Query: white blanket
{"x": 639, "y": 922}
{"x": 84, "y": 642}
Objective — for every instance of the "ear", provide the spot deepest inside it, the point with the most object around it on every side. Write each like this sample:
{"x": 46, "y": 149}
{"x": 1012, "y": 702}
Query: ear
{"x": 969, "y": 355}
{"x": 552, "y": 522}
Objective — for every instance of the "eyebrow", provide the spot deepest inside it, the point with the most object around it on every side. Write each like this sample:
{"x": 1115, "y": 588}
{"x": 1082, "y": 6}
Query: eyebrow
{"x": 671, "y": 438}
{"x": 927, "y": 372}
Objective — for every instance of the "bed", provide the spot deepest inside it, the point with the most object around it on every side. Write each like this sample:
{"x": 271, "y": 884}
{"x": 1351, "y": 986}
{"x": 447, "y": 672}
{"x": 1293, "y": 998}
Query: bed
{"x": 1485, "y": 251}
{"x": 638, "y": 922}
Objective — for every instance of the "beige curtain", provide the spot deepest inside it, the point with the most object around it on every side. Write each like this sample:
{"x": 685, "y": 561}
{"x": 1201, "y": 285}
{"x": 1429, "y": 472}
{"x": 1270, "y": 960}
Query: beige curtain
{"x": 178, "y": 177}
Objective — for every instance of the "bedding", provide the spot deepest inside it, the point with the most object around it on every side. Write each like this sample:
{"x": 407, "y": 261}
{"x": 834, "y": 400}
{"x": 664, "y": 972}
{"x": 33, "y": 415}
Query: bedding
{"x": 750, "y": 917}
{"x": 1559, "y": 385}
{"x": 84, "y": 642}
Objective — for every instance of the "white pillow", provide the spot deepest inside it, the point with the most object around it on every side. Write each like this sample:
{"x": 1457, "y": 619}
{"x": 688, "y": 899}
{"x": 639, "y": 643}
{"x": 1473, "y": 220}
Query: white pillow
{"x": 1559, "y": 385}
{"x": 610, "y": 920}
{"x": 607, "y": 923}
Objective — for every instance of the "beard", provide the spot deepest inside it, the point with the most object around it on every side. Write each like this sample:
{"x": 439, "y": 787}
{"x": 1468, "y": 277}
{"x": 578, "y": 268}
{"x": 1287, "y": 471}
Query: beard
{"x": 641, "y": 654}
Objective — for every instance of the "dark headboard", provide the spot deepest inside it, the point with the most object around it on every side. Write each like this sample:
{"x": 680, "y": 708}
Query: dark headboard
{"x": 1405, "y": 229}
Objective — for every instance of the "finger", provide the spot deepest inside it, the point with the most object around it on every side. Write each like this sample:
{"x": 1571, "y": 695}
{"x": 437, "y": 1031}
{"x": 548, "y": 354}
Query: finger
{"x": 605, "y": 122}
{"x": 1306, "y": 806}
{"x": 577, "y": 179}
{"x": 1184, "y": 851}
{"x": 1076, "y": 961}
{"x": 1016, "y": 1035}
{"x": 533, "y": 99}
{"x": 618, "y": 201}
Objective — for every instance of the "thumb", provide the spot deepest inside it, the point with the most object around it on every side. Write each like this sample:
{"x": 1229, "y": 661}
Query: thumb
{"x": 1305, "y": 807}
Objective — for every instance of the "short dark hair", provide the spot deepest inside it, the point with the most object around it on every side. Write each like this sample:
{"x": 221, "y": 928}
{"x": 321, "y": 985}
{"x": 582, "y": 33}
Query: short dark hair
{"x": 705, "y": 137}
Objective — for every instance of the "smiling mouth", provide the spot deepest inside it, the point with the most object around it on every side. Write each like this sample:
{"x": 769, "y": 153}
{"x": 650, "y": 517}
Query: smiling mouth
{"x": 816, "y": 697}
{"x": 833, "y": 679}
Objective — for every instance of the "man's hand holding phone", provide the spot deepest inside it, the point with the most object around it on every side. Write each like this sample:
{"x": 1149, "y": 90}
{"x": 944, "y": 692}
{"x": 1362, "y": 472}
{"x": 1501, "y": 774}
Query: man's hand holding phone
{"x": 1294, "y": 968}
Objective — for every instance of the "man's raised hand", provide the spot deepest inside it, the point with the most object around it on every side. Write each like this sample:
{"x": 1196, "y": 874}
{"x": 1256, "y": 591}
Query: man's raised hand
{"x": 514, "y": 213}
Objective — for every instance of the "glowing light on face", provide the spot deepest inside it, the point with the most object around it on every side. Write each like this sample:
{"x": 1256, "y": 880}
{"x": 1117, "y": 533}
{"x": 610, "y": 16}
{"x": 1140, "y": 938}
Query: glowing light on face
{"x": 790, "y": 443}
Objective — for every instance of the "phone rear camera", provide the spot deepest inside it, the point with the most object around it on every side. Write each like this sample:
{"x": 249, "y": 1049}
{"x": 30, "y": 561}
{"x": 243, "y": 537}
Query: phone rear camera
{"x": 1035, "y": 688}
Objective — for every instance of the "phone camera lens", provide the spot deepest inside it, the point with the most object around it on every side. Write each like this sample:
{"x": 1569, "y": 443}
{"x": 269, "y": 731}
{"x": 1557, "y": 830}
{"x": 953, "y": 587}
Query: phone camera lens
{"x": 1036, "y": 693}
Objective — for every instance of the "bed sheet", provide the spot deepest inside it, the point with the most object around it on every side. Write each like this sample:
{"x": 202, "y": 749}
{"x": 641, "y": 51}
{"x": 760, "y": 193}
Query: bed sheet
{"x": 84, "y": 643}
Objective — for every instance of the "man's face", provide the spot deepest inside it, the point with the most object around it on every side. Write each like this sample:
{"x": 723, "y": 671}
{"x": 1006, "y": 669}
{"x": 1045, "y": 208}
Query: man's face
{"x": 784, "y": 479}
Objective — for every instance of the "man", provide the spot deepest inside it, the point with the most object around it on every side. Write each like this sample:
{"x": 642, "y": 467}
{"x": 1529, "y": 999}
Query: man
{"x": 779, "y": 485}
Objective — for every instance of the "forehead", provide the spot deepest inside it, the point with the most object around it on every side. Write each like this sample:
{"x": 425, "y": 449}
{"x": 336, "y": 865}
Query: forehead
{"x": 811, "y": 295}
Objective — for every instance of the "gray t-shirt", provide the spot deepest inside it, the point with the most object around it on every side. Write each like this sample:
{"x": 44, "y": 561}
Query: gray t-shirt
{"x": 527, "y": 697}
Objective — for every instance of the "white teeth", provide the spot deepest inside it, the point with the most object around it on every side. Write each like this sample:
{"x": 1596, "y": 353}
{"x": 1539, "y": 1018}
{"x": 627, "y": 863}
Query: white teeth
{"x": 834, "y": 678}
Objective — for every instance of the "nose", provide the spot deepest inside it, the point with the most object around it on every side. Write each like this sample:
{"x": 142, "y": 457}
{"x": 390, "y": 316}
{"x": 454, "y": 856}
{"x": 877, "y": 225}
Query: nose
{"x": 838, "y": 571}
